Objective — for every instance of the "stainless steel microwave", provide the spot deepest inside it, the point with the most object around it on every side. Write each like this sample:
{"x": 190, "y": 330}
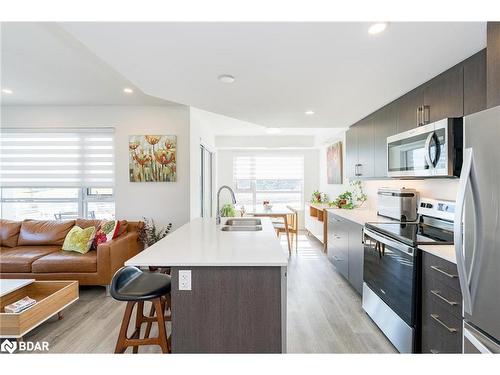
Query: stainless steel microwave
{"x": 432, "y": 150}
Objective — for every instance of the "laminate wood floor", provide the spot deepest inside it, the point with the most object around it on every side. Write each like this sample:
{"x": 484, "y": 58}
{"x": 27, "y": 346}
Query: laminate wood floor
{"x": 324, "y": 314}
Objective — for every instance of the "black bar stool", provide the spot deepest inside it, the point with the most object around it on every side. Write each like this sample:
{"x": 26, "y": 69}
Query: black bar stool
{"x": 134, "y": 286}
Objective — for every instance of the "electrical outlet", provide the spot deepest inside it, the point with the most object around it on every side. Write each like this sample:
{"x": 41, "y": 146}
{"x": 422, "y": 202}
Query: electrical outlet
{"x": 184, "y": 279}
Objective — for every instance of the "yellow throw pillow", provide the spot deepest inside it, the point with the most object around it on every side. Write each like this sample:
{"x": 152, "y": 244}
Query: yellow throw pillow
{"x": 79, "y": 239}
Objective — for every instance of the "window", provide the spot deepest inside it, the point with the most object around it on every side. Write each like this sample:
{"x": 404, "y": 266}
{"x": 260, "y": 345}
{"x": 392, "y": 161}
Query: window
{"x": 279, "y": 179}
{"x": 56, "y": 174}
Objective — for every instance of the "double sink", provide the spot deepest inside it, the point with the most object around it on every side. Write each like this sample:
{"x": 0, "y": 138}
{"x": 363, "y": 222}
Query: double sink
{"x": 242, "y": 225}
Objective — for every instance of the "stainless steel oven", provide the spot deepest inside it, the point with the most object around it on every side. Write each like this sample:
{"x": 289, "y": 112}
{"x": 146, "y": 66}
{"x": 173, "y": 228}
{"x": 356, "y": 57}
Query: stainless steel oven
{"x": 389, "y": 274}
{"x": 433, "y": 150}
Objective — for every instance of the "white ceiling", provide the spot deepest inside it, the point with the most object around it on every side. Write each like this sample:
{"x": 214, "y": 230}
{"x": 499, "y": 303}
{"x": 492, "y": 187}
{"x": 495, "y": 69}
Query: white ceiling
{"x": 45, "y": 65}
{"x": 336, "y": 69}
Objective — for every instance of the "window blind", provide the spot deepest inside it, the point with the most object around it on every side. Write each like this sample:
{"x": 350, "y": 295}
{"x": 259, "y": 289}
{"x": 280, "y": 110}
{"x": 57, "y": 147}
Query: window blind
{"x": 268, "y": 167}
{"x": 57, "y": 157}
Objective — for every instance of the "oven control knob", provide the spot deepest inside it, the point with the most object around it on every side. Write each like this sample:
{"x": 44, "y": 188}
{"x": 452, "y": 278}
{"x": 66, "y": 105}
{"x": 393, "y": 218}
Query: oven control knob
{"x": 429, "y": 205}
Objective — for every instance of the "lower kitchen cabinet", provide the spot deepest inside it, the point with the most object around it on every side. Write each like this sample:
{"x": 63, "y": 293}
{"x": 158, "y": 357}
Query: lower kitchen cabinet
{"x": 345, "y": 249}
{"x": 441, "y": 314}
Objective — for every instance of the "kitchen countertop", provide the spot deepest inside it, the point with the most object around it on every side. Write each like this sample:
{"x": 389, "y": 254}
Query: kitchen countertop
{"x": 202, "y": 243}
{"x": 446, "y": 252}
{"x": 363, "y": 215}
{"x": 359, "y": 215}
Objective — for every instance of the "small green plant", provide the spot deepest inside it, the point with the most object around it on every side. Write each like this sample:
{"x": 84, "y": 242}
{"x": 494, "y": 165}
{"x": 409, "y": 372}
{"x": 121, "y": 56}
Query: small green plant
{"x": 228, "y": 210}
{"x": 150, "y": 234}
{"x": 344, "y": 201}
{"x": 358, "y": 194}
{"x": 318, "y": 197}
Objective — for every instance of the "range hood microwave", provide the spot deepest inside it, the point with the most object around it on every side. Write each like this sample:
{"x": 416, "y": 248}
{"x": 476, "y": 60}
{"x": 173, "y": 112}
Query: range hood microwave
{"x": 432, "y": 150}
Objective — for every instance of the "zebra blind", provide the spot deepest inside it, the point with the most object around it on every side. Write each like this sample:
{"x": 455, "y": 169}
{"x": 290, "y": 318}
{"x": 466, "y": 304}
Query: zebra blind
{"x": 57, "y": 157}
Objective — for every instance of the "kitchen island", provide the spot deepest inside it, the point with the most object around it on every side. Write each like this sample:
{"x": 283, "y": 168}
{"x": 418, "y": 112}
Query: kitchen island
{"x": 232, "y": 299}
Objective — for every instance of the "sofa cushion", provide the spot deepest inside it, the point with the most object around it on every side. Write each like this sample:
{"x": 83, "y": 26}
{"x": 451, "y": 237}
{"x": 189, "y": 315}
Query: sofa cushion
{"x": 122, "y": 228}
{"x": 20, "y": 259}
{"x": 79, "y": 239}
{"x": 9, "y": 232}
{"x": 44, "y": 232}
{"x": 85, "y": 223}
{"x": 66, "y": 261}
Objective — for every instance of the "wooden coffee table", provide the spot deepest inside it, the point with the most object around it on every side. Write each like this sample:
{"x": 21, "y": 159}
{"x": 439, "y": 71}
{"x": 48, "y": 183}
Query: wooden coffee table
{"x": 51, "y": 298}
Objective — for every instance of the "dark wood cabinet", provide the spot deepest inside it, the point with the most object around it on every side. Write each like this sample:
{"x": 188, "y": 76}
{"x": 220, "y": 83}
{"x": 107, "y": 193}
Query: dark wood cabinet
{"x": 444, "y": 95}
{"x": 360, "y": 149}
{"x": 385, "y": 123}
{"x": 351, "y": 152}
{"x": 345, "y": 249}
{"x": 441, "y": 302}
{"x": 338, "y": 244}
{"x": 493, "y": 64}
{"x": 475, "y": 83}
{"x": 365, "y": 148}
{"x": 408, "y": 106}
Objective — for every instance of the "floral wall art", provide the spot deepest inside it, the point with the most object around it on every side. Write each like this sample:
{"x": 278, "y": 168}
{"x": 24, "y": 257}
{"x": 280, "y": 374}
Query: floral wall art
{"x": 152, "y": 158}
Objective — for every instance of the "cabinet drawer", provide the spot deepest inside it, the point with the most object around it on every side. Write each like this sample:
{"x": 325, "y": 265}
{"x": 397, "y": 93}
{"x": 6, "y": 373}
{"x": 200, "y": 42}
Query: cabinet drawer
{"x": 441, "y": 329}
{"x": 438, "y": 293}
{"x": 441, "y": 333}
{"x": 441, "y": 270}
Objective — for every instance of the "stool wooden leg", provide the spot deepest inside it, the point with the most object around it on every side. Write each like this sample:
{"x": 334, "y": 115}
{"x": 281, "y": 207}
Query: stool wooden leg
{"x": 150, "y": 323}
{"x": 162, "y": 333}
{"x": 122, "y": 337}
{"x": 138, "y": 322}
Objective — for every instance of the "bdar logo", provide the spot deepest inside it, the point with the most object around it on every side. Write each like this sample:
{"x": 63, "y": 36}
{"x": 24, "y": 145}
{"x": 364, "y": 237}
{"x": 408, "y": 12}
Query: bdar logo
{"x": 8, "y": 346}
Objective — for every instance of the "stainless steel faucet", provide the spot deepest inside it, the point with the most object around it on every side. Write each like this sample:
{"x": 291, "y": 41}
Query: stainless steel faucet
{"x": 217, "y": 220}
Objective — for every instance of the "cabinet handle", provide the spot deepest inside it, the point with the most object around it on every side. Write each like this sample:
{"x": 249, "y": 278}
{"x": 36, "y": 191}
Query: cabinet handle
{"x": 337, "y": 258}
{"x": 435, "y": 268}
{"x": 436, "y": 318}
{"x": 434, "y": 351}
{"x": 426, "y": 119}
{"x": 357, "y": 173}
{"x": 437, "y": 294}
{"x": 419, "y": 113}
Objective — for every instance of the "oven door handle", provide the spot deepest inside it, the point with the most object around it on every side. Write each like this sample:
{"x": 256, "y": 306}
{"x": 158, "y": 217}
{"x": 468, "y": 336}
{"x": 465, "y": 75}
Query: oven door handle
{"x": 390, "y": 242}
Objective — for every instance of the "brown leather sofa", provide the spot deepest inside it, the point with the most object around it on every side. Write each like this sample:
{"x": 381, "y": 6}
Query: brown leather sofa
{"x": 32, "y": 249}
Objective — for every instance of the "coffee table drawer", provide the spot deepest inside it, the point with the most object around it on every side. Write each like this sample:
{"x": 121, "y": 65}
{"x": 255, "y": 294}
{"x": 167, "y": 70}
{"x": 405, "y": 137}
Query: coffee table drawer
{"x": 51, "y": 297}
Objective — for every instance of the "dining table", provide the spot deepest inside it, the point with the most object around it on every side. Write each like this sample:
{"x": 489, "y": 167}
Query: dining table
{"x": 274, "y": 211}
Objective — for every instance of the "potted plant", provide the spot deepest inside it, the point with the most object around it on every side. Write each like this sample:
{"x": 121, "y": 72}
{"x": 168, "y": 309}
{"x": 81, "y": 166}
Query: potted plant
{"x": 150, "y": 233}
{"x": 228, "y": 210}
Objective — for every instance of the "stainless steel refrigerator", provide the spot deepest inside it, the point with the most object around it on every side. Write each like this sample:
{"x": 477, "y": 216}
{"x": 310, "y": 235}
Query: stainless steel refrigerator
{"x": 477, "y": 235}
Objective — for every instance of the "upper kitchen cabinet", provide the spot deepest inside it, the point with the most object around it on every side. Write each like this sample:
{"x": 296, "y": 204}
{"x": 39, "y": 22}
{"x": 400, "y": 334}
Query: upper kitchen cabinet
{"x": 475, "y": 83}
{"x": 444, "y": 96}
{"x": 409, "y": 106}
{"x": 366, "y": 162}
{"x": 351, "y": 152}
{"x": 359, "y": 149}
{"x": 493, "y": 64}
{"x": 385, "y": 122}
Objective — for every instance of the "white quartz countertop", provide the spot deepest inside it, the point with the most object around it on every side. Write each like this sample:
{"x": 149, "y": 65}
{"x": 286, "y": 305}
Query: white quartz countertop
{"x": 202, "y": 243}
{"x": 359, "y": 215}
{"x": 446, "y": 252}
{"x": 363, "y": 215}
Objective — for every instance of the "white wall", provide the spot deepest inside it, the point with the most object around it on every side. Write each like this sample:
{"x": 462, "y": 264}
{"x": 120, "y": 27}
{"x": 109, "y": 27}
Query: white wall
{"x": 163, "y": 201}
{"x": 200, "y": 132}
{"x": 429, "y": 188}
{"x": 311, "y": 176}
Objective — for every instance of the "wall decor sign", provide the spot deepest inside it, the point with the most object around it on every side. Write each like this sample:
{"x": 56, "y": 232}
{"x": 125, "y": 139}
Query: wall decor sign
{"x": 152, "y": 158}
{"x": 334, "y": 163}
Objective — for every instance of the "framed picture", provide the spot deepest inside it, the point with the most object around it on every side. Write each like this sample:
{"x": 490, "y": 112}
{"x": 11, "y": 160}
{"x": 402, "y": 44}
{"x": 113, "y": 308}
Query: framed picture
{"x": 152, "y": 158}
{"x": 334, "y": 163}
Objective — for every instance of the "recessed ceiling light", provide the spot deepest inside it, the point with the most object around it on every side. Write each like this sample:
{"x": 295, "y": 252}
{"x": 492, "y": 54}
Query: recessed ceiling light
{"x": 7, "y": 91}
{"x": 226, "y": 78}
{"x": 273, "y": 130}
{"x": 128, "y": 90}
{"x": 309, "y": 113}
{"x": 377, "y": 28}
